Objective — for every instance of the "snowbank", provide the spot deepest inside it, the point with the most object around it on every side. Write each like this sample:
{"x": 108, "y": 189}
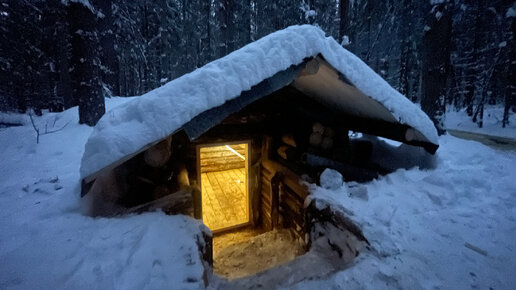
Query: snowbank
{"x": 493, "y": 116}
{"x": 419, "y": 222}
{"x": 45, "y": 241}
{"x": 160, "y": 112}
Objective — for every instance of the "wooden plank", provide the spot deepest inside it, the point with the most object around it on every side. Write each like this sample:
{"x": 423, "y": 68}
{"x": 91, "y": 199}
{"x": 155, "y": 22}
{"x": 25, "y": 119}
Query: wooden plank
{"x": 229, "y": 199}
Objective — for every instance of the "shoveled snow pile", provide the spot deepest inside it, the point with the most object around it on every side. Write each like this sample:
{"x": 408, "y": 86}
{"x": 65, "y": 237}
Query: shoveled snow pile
{"x": 45, "y": 241}
{"x": 159, "y": 113}
{"x": 452, "y": 227}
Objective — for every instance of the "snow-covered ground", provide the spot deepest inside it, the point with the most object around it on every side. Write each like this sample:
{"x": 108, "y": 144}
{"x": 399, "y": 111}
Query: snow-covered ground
{"x": 452, "y": 227}
{"x": 45, "y": 241}
{"x": 418, "y": 221}
{"x": 493, "y": 116}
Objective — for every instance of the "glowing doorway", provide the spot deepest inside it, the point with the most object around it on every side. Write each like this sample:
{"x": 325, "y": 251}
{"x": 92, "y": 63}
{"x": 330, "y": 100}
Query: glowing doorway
{"x": 224, "y": 185}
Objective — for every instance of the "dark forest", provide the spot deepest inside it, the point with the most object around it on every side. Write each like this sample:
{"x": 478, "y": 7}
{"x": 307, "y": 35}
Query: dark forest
{"x": 58, "y": 54}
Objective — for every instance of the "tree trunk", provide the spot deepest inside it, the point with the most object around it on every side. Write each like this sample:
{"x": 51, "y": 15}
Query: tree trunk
{"x": 510, "y": 90}
{"x": 86, "y": 83}
{"x": 109, "y": 57}
{"x": 436, "y": 63}
{"x": 343, "y": 18}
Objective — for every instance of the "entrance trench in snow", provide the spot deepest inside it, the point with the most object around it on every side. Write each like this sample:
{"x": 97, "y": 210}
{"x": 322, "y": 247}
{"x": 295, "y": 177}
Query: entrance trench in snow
{"x": 247, "y": 252}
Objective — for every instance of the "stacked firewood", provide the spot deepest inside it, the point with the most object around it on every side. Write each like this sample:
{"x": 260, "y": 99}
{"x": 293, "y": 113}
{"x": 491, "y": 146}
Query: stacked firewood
{"x": 322, "y": 137}
{"x": 329, "y": 148}
{"x": 321, "y": 140}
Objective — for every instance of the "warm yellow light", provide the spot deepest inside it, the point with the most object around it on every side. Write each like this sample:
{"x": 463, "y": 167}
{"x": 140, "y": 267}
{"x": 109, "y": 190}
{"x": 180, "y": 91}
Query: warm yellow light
{"x": 233, "y": 150}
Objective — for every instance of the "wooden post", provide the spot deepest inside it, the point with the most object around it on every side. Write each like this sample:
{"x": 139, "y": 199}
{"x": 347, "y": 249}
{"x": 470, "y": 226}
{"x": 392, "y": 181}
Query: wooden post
{"x": 275, "y": 184}
{"x": 197, "y": 201}
{"x": 266, "y": 148}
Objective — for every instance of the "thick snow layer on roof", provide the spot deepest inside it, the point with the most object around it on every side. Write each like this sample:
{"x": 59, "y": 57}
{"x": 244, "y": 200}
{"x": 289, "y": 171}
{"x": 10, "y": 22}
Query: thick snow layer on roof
{"x": 129, "y": 127}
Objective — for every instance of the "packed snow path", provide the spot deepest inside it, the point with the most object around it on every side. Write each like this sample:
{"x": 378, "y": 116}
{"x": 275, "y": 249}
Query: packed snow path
{"x": 418, "y": 222}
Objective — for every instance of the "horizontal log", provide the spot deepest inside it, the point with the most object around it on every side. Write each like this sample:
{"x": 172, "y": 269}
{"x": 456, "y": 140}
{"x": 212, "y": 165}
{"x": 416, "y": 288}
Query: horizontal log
{"x": 311, "y": 68}
{"x": 236, "y": 147}
{"x": 294, "y": 183}
{"x": 219, "y": 168}
{"x": 316, "y": 214}
{"x": 288, "y": 177}
{"x": 315, "y": 139}
{"x": 327, "y": 143}
{"x": 318, "y": 128}
{"x": 159, "y": 154}
{"x": 292, "y": 203}
{"x": 286, "y": 190}
{"x": 174, "y": 203}
{"x": 222, "y": 160}
{"x": 220, "y": 154}
{"x": 329, "y": 132}
{"x": 289, "y": 214}
{"x": 293, "y": 221}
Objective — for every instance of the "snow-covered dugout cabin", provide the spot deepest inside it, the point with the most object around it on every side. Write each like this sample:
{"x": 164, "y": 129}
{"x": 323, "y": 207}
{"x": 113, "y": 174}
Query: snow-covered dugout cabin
{"x": 234, "y": 142}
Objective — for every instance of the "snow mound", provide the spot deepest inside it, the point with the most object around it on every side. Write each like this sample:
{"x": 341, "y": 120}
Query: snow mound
{"x": 331, "y": 179}
{"x": 451, "y": 227}
{"x": 160, "y": 112}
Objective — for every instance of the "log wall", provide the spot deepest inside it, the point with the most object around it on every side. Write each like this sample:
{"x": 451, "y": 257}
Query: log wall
{"x": 220, "y": 158}
{"x": 291, "y": 211}
{"x": 268, "y": 198}
{"x": 282, "y": 199}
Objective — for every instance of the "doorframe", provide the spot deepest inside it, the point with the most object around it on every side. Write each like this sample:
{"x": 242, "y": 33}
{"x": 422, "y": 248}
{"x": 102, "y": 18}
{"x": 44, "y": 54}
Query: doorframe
{"x": 248, "y": 143}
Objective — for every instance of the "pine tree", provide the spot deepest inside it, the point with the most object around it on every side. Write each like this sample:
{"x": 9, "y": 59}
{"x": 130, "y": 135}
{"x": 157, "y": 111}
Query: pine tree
{"x": 108, "y": 56}
{"x": 436, "y": 62}
{"x": 86, "y": 79}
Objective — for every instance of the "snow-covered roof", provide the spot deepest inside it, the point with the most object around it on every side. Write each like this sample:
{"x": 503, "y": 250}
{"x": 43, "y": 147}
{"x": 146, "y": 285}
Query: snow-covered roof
{"x": 158, "y": 113}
